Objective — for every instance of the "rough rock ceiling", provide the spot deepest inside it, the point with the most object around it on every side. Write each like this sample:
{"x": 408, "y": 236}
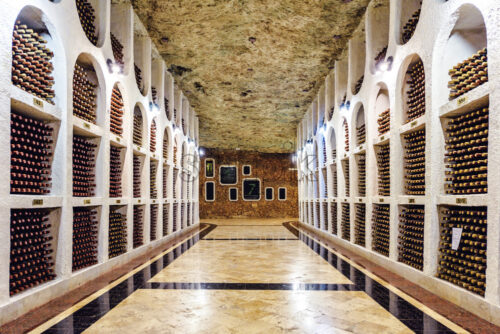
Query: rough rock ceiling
{"x": 250, "y": 68}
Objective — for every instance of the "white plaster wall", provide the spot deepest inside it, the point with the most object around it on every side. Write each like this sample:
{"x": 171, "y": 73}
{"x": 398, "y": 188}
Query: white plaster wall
{"x": 431, "y": 43}
{"x": 69, "y": 42}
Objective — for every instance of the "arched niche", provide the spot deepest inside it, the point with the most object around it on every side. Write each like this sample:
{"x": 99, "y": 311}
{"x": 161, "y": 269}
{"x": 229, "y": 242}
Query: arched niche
{"x": 168, "y": 96}
{"x": 341, "y": 76}
{"x": 359, "y": 125}
{"x": 175, "y": 151}
{"x": 456, "y": 43}
{"x": 330, "y": 96}
{"x": 31, "y": 22}
{"x": 139, "y": 126}
{"x": 408, "y": 13}
{"x": 166, "y": 143}
{"x": 117, "y": 110}
{"x": 152, "y": 136}
{"x": 324, "y": 152}
{"x": 345, "y": 127}
{"x": 93, "y": 16}
{"x": 87, "y": 89}
{"x": 157, "y": 70}
{"x": 333, "y": 144}
{"x": 121, "y": 35}
{"x": 412, "y": 89}
{"x": 142, "y": 61}
{"x": 357, "y": 59}
{"x": 378, "y": 15}
{"x": 381, "y": 113}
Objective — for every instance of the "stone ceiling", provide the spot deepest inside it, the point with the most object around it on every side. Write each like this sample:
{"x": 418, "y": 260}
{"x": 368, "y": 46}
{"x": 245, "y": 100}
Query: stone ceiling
{"x": 250, "y": 68}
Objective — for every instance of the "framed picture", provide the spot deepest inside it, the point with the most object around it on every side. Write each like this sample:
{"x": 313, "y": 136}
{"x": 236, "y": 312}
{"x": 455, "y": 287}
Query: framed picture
{"x": 209, "y": 167}
{"x": 269, "y": 194}
{"x": 228, "y": 175}
{"x": 233, "y": 194}
{"x": 210, "y": 191}
{"x": 247, "y": 170}
{"x": 251, "y": 189}
{"x": 282, "y": 194}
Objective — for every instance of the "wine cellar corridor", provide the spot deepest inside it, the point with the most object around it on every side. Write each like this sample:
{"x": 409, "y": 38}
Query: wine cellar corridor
{"x": 325, "y": 166}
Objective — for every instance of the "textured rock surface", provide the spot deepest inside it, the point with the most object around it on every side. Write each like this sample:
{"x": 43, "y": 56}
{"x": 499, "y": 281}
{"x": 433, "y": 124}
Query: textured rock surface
{"x": 272, "y": 169}
{"x": 250, "y": 68}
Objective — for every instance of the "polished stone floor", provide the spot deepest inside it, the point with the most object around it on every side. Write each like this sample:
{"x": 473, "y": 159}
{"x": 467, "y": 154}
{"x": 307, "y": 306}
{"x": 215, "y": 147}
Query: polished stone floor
{"x": 249, "y": 277}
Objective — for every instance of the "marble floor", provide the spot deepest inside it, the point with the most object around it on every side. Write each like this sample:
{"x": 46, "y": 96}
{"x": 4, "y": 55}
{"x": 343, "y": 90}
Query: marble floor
{"x": 249, "y": 277}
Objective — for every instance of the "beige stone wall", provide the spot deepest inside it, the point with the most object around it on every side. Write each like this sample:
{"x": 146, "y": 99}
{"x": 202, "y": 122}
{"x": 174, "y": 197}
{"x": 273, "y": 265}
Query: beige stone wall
{"x": 274, "y": 170}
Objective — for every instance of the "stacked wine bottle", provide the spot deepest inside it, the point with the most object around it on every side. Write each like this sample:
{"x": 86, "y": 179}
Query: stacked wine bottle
{"x": 116, "y": 114}
{"x": 174, "y": 184}
{"x": 165, "y": 146}
{"x": 31, "y": 150}
{"x": 84, "y": 163}
{"x": 380, "y": 228}
{"x": 117, "y": 233}
{"x": 410, "y": 26}
{"x": 333, "y": 216}
{"x": 325, "y": 183}
{"x": 358, "y": 85}
{"x": 384, "y": 122}
{"x": 359, "y": 224}
{"x": 384, "y": 185}
{"x": 138, "y": 227}
{"x": 31, "y": 259}
{"x": 361, "y": 175}
{"x": 117, "y": 48}
{"x": 345, "y": 223}
{"x": 469, "y": 74}
{"x": 325, "y": 216}
{"x": 346, "y": 136}
{"x": 416, "y": 92}
{"x": 152, "y": 141}
{"x": 87, "y": 18}
{"x": 115, "y": 172}
{"x": 464, "y": 263}
{"x": 154, "y": 95}
{"x": 164, "y": 181}
{"x": 138, "y": 77}
{"x": 188, "y": 214}
{"x": 165, "y": 219}
{"x": 345, "y": 167}
{"x": 174, "y": 217}
{"x": 137, "y": 130}
{"x": 153, "y": 192}
{"x": 32, "y": 62}
{"x": 137, "y": 176}
{"x": 167, "y": 108}
{"x": 317, "y": 209}
{"x": 84, "y": 94}
{"x": 153, "y": 215}
{"x": 330, "y": 114}
{"x": 380, "y": 57}
{"x": 85, "y": 229}
{"x": 334, "y": 178}
{"x": 411, "y": 236}
{"x": 361, "y": 134}
{"x": 415, "y": 162}
{"x": 467, "y": 153}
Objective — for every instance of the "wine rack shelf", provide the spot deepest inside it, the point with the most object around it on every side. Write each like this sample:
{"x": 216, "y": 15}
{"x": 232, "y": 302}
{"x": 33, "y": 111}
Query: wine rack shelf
{"x": 116, "y": 114}
{"x": 31, "y": 250}
{"x": 334, "y": 217}
{"x": 333, "y": 170}
{"x": 84, "y": 163}
{"x": 463, "y": 263}
{"x": 469, "y": 74}
{"x": 137, "y": 167}
{"x": 87, "y": 16}
{"x": 326, "y": 227}
{"x": 415, "y": 95}
{"x": 414, "y": 163}
{"x": 361, "y": 161}
{"x": 138, "y": 227}
{"x": 359, "y": 224}
{"x": 345, "y": 223}
{"x": 117, "y": 48}
{"x": 381, "y": 228}
{"x": 384, "y": 122}
{"x": 115, "y": 172}
{"x": 32, "y": 68}
{"x": 383, "y": 165}
{"x": 467, "y": 153}
{"x": 137, "y": 130}
{"x": 153, "y": 222}
{"x": 410, "y": 26}
{"x": 31, "y": 147}
{"x": 85, "y": 230}
{"x": 411, "y": 236}
{"x": 84, "y": 93}
{"x": 166, "y": 210}
{"x": 117, "y": 232}
{"x": 152, "y": 142}
{"x": 153, "y": 191}
{"x": 347, "y": 183}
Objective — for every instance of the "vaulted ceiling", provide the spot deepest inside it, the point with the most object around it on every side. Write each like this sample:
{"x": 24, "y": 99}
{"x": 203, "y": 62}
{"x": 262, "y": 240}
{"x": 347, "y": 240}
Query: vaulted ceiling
{"x": 250, "y": 68}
